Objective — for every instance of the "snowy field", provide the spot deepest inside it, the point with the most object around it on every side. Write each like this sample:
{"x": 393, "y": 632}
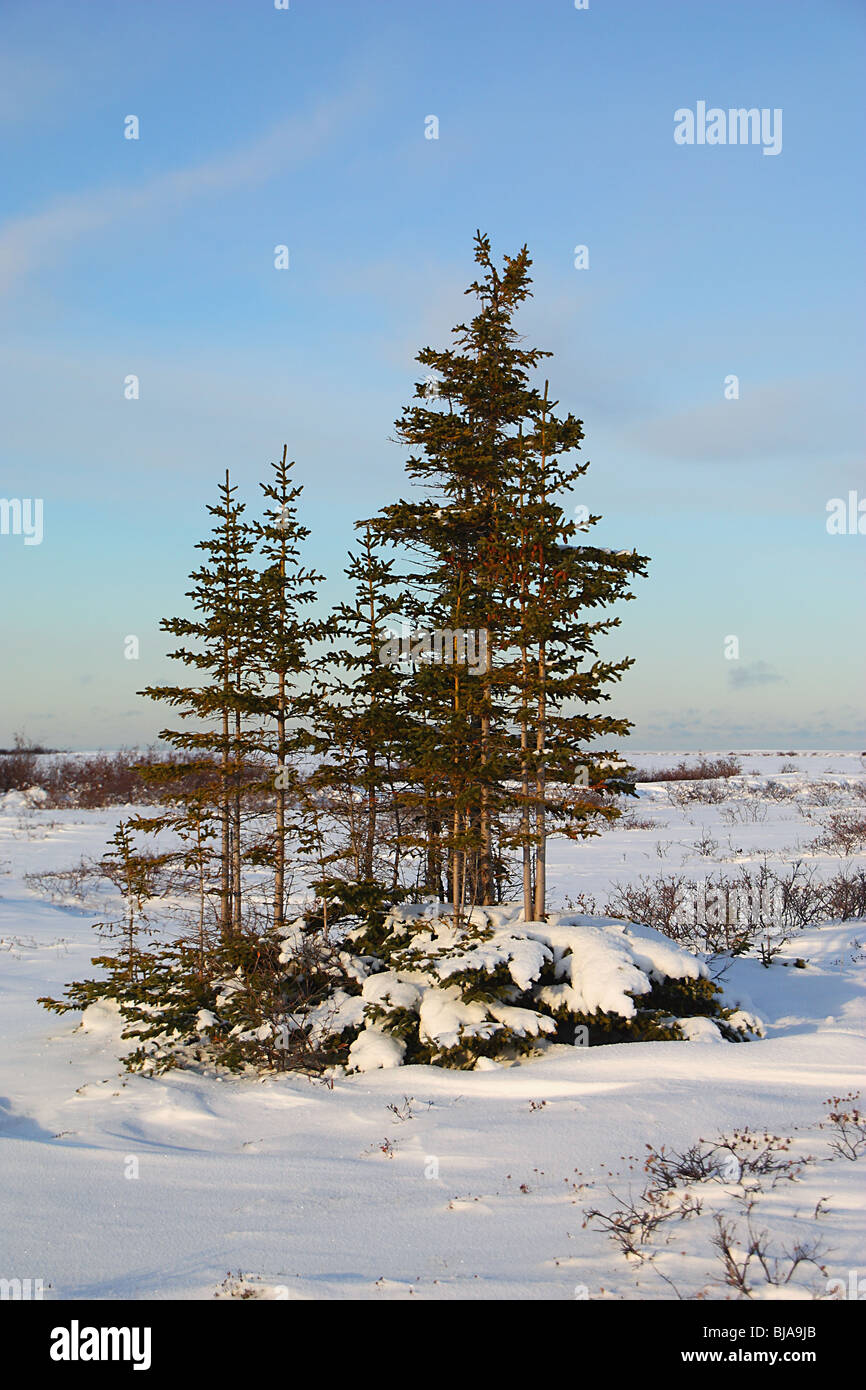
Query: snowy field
{"x": 426, "y": 1183}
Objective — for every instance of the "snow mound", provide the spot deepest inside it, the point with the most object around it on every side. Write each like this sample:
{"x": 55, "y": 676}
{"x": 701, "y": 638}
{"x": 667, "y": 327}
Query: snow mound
{"x": 373, "y": 1050}
{"x": 703, "y": 1030}
{"x": 24, "y": 800}
{"x": 102, "y": 1018}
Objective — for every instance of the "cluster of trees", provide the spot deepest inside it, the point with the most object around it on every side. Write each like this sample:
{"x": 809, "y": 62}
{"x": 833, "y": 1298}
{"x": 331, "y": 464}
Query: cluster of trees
{"x": 310, "y": 756}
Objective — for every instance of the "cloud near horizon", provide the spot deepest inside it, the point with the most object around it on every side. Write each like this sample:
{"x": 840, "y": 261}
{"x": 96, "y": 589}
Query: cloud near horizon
{"x": 756, "y": 673}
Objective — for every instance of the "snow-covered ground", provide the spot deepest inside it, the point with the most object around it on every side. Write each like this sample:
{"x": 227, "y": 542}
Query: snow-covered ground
{"x": 441, "y": 1184}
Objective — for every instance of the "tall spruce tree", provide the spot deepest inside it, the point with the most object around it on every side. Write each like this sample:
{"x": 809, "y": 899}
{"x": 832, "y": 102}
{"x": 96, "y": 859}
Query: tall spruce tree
{"x": 494, "y": 557}
{"x": 555, "y": 676}
{"x": 282, "y": 636}
{"x": 364, "y": 725}
{"x": 216, "y": 645}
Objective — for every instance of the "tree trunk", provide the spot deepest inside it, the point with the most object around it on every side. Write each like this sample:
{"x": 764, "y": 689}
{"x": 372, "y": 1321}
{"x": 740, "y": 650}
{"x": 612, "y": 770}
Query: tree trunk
{"x": 225, "y": 846}
{"x": 525, "y": 822}
{"x": 280, "y": 826}
{"x": 236, "y": 839}
{"x": 540, "y": 789}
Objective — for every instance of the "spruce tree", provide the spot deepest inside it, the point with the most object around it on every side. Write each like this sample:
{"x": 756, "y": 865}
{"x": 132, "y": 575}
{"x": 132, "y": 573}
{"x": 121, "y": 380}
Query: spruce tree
{"x": 138, "y": 876}
{"x": 555, "y": 676}
{"x": 494, "y": 556}
{"x": 135, "y": 875}
{"x": 282, "y": 635}
{"x": 217, "y": 646}
{"x": 364, "y": 725}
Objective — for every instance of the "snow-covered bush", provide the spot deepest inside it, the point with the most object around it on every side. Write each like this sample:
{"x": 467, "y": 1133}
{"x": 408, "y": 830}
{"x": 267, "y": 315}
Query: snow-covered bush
{"x": 493, "y": 986}
{"x": 410, "y": 984}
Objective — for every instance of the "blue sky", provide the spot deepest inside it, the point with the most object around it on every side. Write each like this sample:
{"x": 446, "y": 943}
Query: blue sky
{"x": 306, "y": 127}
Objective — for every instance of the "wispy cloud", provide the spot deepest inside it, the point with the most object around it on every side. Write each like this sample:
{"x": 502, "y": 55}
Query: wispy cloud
{"x": 26, "y": 242}
{"x": 747, "y": 676}
{"x": 793, "y": 419}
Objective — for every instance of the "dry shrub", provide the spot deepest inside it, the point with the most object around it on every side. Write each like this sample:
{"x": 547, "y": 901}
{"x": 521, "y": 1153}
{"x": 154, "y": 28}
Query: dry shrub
{"x": 707, "y": 793}
{"x": 777, "y": 791}
{"x": 843, "y": 833}
{"x": 757, "y": 907}
{"x": 703, "y": 770}
{"x": 94, "y": 780}
{"x": 630, "y": 821}
{"x": 18, "y": 767}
